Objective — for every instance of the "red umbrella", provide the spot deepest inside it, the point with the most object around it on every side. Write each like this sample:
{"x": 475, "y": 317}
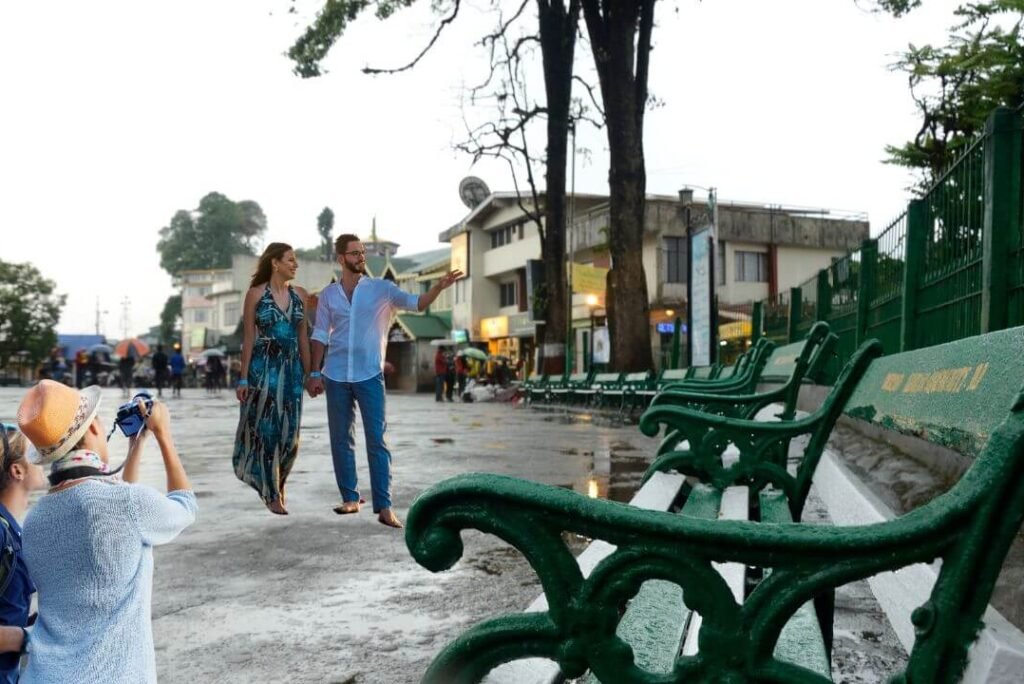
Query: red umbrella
{"x": 141, "y": 348}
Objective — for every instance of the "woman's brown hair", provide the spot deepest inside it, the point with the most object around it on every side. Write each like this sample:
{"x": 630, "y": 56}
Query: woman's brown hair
{"x": 275, "y": 250}
{"x": 13, "y": 451}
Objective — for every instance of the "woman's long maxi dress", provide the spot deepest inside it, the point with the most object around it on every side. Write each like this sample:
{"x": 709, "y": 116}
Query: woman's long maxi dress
{"x": 267, "y": 440}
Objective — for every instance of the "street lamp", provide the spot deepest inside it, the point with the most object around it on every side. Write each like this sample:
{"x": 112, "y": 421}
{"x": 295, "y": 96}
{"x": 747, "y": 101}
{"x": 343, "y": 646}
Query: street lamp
{"x": 592, "y": 302}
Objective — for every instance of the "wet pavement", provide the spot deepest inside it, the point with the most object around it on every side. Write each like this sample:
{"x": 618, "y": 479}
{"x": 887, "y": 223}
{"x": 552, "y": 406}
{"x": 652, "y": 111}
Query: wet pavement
{"x": 245, "y": 596}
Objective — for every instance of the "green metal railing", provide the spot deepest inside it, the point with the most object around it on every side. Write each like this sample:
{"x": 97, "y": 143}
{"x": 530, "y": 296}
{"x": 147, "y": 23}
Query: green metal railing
{"x": 807, "y": 313}
{"x": 885, "y": 308}
{"x": 843, "y": 278}
{"x": 1016, "y": 272}
{"x": 951, "y": 266}
{"x": 949, "y": 293}
{"x": 776, "y": 318}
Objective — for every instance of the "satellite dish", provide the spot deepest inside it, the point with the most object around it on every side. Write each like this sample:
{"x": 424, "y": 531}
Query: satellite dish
{"x": 473, "y": 191}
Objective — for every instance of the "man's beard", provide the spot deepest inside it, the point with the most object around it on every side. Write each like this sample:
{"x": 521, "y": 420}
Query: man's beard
{"x": 357, "y": 268}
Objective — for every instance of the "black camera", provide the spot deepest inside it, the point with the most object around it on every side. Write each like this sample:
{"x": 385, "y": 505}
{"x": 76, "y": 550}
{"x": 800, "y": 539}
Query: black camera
{"x": 129, "y": 417}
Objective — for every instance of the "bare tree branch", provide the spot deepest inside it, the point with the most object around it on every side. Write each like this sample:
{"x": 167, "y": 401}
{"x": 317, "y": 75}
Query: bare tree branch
{"x": 437, "y": 34}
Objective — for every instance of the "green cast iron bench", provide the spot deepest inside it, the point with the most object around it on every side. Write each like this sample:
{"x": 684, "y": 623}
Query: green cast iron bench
{"x": 787, "y": 367}
{"x": 599, "y": 383}
{"x": 631, "y": 391}
{"x": 564, "y": 392}
{"x": 534, "y": 386}
{"x": 944, "y": 394}
{"x": 744, "y": 378}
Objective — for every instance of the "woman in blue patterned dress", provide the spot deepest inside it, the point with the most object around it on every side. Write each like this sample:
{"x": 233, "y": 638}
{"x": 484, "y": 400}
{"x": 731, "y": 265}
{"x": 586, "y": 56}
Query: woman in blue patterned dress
{"x": 275, "y": 359}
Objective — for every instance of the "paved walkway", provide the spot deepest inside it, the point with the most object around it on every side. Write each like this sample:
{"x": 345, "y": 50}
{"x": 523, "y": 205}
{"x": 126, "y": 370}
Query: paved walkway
{"x": 245, "y": 596}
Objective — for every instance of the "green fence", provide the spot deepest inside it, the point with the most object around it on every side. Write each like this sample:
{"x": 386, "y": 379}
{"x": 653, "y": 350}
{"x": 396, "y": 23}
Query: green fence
{"x": 949, "y": 289}
{"x": 776, "y": 318}
{"x": 885, "y": 308}
{"x": 949, "y": 267}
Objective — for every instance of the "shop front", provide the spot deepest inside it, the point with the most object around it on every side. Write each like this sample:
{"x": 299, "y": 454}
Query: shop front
{"x": 510, "y": 338}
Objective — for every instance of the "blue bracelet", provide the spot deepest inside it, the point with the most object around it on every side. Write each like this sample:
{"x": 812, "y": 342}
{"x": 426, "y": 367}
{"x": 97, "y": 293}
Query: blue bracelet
{"x": 243, "y": 383}
{"x": 314, "y": 374}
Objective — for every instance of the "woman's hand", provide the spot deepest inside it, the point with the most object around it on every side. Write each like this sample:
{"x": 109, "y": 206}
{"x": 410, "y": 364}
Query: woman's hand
{"x": 242, "y": 391}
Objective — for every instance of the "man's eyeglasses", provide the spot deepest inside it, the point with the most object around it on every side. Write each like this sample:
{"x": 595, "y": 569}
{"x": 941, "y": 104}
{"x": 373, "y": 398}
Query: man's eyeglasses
{"x": 356, "y": 253}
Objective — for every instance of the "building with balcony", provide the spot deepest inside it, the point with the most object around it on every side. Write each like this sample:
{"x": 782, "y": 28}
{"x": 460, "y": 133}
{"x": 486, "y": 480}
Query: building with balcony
{"x": 761, "y": 249}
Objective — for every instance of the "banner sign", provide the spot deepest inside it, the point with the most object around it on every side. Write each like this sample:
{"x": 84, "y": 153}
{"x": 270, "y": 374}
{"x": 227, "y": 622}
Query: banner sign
{"x": 602, "y": 346}
{"x": 589, "y": 279}
{"x": 700, "y": 290}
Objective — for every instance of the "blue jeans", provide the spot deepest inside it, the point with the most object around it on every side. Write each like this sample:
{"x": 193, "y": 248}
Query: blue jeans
{"x": 341, "y": 400}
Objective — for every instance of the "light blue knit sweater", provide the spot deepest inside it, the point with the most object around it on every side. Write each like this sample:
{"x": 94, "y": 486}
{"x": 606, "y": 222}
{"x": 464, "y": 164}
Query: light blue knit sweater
{"x": 89, "y": 550}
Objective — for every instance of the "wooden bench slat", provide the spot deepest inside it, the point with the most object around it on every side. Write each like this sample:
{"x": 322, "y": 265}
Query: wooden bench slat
{"x": 657, "y": 494}
{"x": 801, "y": 641}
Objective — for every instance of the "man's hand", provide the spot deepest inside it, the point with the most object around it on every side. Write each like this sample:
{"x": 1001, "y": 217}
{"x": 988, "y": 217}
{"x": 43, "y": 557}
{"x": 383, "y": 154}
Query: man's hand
{"x": 159, "y": 419}
{"x": 449, "y": 278}
{"x": 315, "y": 387}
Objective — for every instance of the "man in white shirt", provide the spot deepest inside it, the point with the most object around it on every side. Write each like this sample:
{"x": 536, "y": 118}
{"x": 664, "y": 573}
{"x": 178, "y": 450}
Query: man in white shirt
{"x": 352, "y": 321}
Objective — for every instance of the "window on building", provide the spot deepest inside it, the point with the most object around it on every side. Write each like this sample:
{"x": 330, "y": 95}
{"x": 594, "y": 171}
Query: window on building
{"x": 502, "y": 236}
{"x": 751, "y": 267}
{"x": 508, "y": 294}
{"x": 232, "y": 313}
{"x": 676, "y": 253}
{"x": 199, "y": 316}
{"x": 720, "y": 263}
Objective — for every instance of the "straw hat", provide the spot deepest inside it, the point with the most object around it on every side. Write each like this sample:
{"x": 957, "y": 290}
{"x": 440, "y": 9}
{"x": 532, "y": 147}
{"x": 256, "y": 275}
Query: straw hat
{"x": 54, "y": 417}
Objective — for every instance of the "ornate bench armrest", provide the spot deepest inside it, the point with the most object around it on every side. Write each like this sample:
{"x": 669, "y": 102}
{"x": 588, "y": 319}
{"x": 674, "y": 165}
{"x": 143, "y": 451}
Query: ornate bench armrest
{"x": 579, "y": 628}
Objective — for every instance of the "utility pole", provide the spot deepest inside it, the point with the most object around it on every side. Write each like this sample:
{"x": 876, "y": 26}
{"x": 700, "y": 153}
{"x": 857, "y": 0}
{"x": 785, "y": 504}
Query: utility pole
{"x": 99, "y": 313}
{"x": 126, "y": 314}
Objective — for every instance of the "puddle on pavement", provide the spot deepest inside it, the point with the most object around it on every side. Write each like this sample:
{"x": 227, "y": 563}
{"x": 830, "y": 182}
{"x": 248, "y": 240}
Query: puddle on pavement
{"x": 616, "y": 475}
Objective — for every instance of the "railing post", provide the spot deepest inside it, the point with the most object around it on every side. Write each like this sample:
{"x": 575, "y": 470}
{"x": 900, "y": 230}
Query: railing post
{"x": 796, "y": 296}
{"x": 824, "y": 305}
{"x": 757, "y": 322}
{"x": 913, "y": 268}
{"x": 1002, "y": 214}
{"x": 866, "y": 286}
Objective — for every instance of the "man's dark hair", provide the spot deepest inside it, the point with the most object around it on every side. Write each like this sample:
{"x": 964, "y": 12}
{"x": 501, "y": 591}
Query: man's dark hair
{"x": 341, "y": 244}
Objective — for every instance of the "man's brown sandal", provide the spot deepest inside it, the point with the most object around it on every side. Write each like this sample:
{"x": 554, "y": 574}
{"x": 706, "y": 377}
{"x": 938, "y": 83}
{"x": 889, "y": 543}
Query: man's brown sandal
{"x": 347, "y": 507}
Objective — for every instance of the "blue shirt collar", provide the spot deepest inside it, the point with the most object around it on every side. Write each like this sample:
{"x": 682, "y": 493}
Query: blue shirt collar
{"x": 11, "y": 521}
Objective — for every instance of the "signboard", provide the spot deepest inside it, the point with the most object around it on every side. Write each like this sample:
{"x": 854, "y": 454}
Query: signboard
{"x": 520, "y": 325}
{"x": 734, "y": 331}
{"x": 671, "y": 328}
{"x": 197, "y": 338}
{"x": 460, "y": 335}
{"x": 493, "y": 328}
{"x": 701, "y": 294}
{"x": 589, "y": 279}
{"x": 460, "y": 253}
{"x": 602, "y": 346}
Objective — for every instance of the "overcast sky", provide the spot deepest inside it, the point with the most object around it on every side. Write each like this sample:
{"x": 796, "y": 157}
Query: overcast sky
{"x": 118, "y": 113}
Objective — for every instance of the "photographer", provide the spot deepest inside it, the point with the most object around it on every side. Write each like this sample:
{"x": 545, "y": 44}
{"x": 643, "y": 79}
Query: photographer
{"x": 89, "y": 541}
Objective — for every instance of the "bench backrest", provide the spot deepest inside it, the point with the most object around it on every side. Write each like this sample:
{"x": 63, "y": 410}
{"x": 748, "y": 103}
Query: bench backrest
{"x": 607, "y": 380}
{"x": 953, "y": 394}
{"x": 578, "y": 380}
{"x": 672, "y": 375}
{"x": 702, "y": 372}
{"x": 638, "y": 380}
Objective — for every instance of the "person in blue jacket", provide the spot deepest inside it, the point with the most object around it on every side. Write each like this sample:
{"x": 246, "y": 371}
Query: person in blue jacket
{"x": 18, "y": 478}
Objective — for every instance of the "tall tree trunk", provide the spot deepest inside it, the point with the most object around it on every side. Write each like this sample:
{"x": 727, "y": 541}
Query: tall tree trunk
{"x": 620, "y": 37}
{"x": 558, "y": 43}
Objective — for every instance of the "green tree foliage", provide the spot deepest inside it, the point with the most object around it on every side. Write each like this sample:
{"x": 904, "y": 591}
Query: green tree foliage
{"x": 956, "y": 86}
{"x": 325, "y": 226}
{"x": 169, "y": 318}
{"x": 209, "y": 235}
{"x": 29, "y": 311}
